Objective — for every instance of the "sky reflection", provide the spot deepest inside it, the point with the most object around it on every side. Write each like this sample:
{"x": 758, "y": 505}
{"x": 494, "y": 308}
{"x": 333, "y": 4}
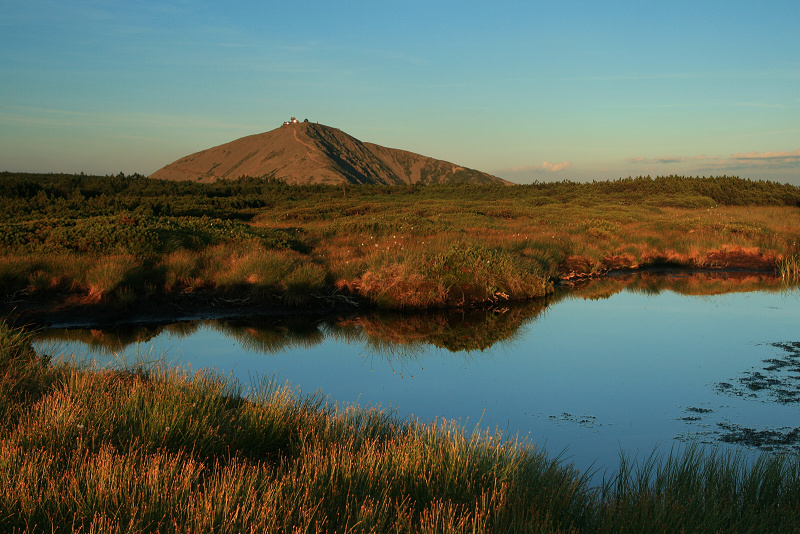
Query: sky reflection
{"x": 588, "y": 378}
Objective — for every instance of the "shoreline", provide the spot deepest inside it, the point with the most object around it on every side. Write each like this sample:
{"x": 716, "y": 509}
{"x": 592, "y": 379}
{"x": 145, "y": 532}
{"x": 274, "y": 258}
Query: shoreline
{"x": 73, "y": 311}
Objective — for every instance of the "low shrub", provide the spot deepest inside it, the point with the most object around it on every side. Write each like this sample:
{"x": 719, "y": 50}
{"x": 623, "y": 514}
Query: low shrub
{"x": 401, "y": 247}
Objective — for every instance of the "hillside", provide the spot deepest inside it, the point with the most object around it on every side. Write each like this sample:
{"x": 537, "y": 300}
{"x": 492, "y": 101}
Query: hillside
{"x": 310, "y": 153}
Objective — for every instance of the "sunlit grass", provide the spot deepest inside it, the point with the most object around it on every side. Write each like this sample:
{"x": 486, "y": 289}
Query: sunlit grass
{"x": 702, "y": 491}
{"x": 163, "y": 450}
{"x": 789, "y": 268}
{"x": 108, "y": 274}
{"x": 382, "y": 244}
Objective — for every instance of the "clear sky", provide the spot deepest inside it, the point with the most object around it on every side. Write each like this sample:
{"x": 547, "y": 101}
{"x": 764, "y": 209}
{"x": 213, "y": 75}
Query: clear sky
{"x": 525, "y": 90}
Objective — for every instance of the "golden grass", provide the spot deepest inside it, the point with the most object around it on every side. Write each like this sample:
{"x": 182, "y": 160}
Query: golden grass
{"x": 163, "y": 450}
{"x": 385, "y": 249}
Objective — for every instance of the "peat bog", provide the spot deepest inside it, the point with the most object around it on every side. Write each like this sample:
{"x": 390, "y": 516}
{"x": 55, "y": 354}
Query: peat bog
{"x": 592, "y": 357}
{"x": 396, "y": 270}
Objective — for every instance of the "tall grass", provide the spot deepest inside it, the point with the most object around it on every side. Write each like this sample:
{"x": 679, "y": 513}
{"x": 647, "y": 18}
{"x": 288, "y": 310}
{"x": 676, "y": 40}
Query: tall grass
{"x": 703, "y": 491}
{"x": 789, "y": 267}
{"x": 150, "y": 449}
{"x": 390, "y": 246}
{"x": 461, "y": 273}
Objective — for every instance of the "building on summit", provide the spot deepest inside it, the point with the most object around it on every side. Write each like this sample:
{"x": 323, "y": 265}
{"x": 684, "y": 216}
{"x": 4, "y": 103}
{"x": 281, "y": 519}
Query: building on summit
{"x": 293, "y": 121}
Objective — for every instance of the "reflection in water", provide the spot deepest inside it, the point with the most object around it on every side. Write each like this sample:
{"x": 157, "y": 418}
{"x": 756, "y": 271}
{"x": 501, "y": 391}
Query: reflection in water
{"x": 273, "y": 334}
{"x": 387, "y": 333}
{"x": 454, "y": 330}
{"x": 623, "y": 361}
{"x": 394, "y": 333}
{"x": 680, "y": 282}
{"x": 107, "y": 341}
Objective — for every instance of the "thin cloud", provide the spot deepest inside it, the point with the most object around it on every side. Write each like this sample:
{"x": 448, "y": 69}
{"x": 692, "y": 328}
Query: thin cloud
{"x": 556, "y": 167}
{"x": 544, "y": 167}
{"x": 756, "y": 161}
{"x": 662, "y": 161}
{"x": 766, "y": 105}
{"x": 791, "y": 157}
{"x": 699, "y": 75}
{"x": 738, "y": 162}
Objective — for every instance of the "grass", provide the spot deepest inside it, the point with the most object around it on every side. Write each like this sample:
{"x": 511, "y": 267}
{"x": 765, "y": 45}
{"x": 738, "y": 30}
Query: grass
{"x": 117, "y": 239}
{"x": 789, "y": 268}
{"x": 153, "y": 449}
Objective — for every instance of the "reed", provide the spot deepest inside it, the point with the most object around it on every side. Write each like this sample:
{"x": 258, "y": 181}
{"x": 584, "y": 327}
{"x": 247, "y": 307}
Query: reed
{"x": 148, "y": 448}
{"x": 789, "y": 268}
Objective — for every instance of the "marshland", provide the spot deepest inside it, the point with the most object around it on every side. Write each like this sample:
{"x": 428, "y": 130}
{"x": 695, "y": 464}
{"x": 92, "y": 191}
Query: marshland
{"x": 147, "y": 445}
{"x": 123, "y": 240}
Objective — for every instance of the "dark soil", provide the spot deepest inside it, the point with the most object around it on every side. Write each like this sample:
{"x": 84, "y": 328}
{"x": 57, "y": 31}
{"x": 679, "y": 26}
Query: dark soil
{"x": 170, "y": 307}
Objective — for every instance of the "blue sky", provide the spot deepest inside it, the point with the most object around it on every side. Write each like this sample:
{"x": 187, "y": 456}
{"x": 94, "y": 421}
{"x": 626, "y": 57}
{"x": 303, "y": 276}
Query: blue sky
{"x": 524, "y": 90}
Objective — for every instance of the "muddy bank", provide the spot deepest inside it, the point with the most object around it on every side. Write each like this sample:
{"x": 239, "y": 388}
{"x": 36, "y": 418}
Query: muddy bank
{"x": 69, "y": 311}
{"x": 733, "y": 260}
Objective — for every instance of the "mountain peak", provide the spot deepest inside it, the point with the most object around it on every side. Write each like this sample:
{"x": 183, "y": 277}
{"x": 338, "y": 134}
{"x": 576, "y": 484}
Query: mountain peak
{"x": 303, "y": 152}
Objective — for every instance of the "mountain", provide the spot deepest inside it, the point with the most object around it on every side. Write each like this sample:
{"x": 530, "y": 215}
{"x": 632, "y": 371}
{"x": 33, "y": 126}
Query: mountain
{"x": 310, "y": 153}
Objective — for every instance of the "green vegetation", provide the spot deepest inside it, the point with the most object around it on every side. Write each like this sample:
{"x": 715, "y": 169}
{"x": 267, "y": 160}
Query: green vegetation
{"x": 148, "y": 449}
{"x": 127, "y": 240}
{"x": 160, "y": 450}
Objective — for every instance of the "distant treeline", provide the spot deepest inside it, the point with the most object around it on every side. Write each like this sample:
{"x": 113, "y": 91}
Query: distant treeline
{"x": 723, "y": 190}
{"x": 61, "y": 195}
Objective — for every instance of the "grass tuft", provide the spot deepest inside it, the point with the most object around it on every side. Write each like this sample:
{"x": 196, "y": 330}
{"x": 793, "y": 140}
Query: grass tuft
{"x": 789, "y": 268}
{"x": 162, "y": 450}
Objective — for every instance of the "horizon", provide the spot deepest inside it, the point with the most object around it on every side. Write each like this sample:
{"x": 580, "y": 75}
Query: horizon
{"x": 523, "y": 91}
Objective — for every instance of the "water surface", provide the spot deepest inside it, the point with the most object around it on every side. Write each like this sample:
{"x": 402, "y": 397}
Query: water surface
{"x": 612, "y": 367}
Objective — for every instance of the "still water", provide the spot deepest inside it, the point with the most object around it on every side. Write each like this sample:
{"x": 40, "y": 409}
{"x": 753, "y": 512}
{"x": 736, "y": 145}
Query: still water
{"x": 632, "y": 365}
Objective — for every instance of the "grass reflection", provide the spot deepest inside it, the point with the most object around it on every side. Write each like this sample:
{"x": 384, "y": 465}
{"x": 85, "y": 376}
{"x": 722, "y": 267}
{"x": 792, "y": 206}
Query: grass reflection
{"x": 398, "y": 335}
{"x": 690, "y": 283}
{"x": 271, "y": 335}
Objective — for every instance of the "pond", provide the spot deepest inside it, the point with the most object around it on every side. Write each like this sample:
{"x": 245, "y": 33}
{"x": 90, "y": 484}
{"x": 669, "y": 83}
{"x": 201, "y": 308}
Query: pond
{"x": 627, "y": 364}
